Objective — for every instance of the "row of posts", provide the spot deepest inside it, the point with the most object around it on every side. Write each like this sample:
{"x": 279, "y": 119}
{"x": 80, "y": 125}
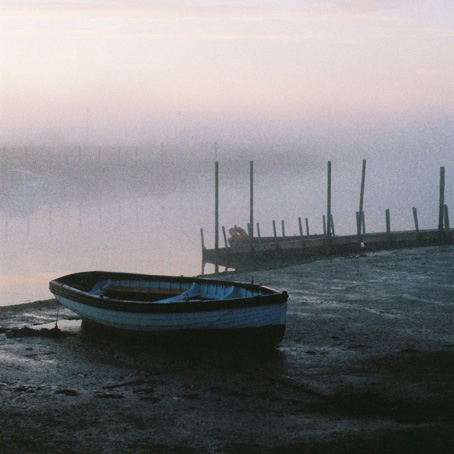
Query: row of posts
{"x": 328, "y": 223}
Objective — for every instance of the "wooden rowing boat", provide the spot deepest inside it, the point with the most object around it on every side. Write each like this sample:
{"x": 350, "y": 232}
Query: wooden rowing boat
{"x": 169, "y": 305}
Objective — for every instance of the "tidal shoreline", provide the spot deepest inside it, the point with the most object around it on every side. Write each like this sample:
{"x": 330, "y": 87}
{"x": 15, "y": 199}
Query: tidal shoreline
{"x": 366, "y": 366}
{"x": 74, "y": 393}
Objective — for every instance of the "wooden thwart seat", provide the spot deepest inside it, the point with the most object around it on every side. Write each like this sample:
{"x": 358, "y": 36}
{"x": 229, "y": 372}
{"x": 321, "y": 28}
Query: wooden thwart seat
{"x": 140, "y": 293}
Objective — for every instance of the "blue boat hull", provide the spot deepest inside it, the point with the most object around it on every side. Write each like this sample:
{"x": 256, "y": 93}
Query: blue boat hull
{"x": 196, "y": 306}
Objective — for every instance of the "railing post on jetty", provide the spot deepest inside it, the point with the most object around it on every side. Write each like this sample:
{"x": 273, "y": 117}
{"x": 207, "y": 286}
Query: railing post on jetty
{"x": 332, "y": 226}
{"x": 203, "y": 251}
{"x": 388, "y": 224}
{"x": 415, "y": 217}
{"x": 442, "y": 200}
{"x": 226, "y": 244}
{"x": 216, "y": 213}
{"x": 258, "y": 233}
{"x": 300, "y": 225}
{"x": 448, "y": 229}
{"x": 251, "y": 206}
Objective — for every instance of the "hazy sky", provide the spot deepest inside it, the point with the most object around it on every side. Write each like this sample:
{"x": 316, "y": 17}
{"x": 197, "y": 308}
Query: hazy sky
{"x": 236, "y": 72}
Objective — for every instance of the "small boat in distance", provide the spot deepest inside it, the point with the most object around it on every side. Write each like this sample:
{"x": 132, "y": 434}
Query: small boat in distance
{"x": 174, "y": 306}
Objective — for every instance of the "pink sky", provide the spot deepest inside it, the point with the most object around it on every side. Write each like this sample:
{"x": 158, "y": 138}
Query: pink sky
{"x": 139, "y": 73}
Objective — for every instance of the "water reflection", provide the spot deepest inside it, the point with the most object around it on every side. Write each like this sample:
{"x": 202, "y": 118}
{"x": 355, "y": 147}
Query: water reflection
{"x": 69, "y": 215}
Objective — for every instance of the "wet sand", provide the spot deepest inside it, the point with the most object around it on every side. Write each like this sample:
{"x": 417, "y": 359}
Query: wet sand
{"x": 367, "y": 365}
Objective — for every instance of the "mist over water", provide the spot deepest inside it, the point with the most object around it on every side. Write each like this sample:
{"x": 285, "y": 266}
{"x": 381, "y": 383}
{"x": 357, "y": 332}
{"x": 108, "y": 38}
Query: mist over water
{"x": 140, "y": 209}
{"x": 113, "y": 109}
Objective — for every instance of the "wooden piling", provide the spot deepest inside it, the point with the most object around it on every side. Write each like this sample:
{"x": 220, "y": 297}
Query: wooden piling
{"x": 328, "y": 208}
{"x": 203, "y": 251}
{"x": 283, "y": 229}
{"x": 274, "y": 232}
{"x": 415, "y": 217}
{"x": 300, "y": 225}
{"x": 361, "y": 200}
{"x": 388, "y": 222}
{"x": 307, "y": 226}
{"x": 226, "y": 244}
{"x": 203, "y": 240}
{"x": 251, "y": 205}
{"x": 216, "y": 216}
{"x": 441, "y": 200}
{"x": 324, "y": 225}
{"x": 258, "y": 233}
{"x": 332, "y": 226}
{"x": 447, "y": 227}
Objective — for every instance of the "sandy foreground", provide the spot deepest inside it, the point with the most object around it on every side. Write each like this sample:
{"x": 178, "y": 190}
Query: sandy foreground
{"x": 339, "y": 383}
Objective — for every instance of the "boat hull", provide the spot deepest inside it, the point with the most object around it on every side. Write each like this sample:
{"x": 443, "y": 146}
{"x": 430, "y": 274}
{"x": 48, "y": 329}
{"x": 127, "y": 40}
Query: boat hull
{"x": 262, "y": 337}
{"x": 261, "y": 316}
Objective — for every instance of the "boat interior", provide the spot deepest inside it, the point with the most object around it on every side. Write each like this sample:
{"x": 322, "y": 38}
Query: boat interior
{"x": 133, "y": 291}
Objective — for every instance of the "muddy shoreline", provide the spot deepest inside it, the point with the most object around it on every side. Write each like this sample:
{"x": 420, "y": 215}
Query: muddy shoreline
{"x": 342, "y": 381}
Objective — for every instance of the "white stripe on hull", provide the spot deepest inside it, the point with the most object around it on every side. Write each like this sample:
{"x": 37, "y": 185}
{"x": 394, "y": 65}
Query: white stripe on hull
{"x": 249, "y": 317}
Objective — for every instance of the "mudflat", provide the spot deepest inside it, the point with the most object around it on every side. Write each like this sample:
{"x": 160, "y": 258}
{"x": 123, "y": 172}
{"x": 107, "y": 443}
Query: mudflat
{"x": 354, "y": 373}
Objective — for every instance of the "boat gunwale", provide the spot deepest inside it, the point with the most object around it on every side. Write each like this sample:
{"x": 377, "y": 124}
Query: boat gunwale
{"x": 60, "y": 287}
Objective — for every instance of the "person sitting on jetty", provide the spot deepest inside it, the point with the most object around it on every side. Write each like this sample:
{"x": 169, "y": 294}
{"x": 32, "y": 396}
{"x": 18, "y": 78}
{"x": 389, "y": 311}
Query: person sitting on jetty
{"x": 237, "y": 236}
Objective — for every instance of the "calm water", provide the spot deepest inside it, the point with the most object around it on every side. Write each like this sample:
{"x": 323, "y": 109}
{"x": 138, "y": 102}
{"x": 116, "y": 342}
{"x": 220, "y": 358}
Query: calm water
{"x": 62, "y": 227}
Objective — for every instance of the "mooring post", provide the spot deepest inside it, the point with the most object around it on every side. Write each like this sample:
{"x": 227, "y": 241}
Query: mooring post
{"x": 251, "y": 205}
{"x": 216, "y": 215}
{"x": 361, "y": 201}
{"x": 274, "y": 232}
{"x": 203, "y": 251}
{"x": 328, "y": 208}
{"x": 415, "y": 217}
{"x": 307, "y": 226}
{"x": 300, "y": 225}
{"x": 388, "y": 222}
{"x": 332, "y": 226}
{"x": 203, "y": 241}
{"x": 226, "y": 244}
{"x": 258, "y": 233}
{"x": 448, "y": 229}
{"x": 442, "y": 199}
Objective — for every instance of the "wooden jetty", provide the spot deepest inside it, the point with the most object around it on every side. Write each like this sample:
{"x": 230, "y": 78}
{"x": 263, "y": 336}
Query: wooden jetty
{"x": 269, "y": 253}
{"x": 253, "y": 252}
